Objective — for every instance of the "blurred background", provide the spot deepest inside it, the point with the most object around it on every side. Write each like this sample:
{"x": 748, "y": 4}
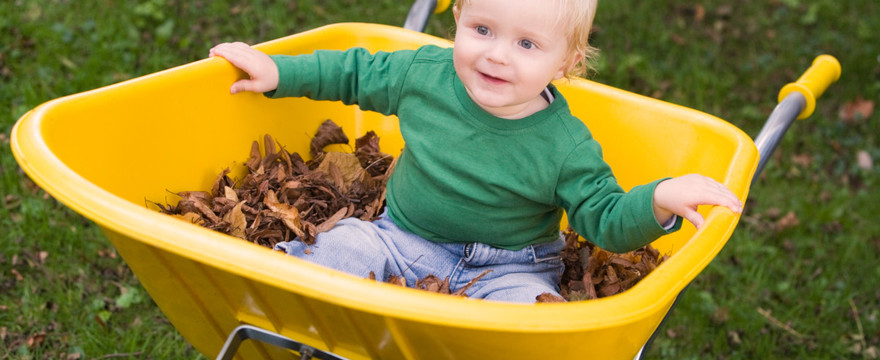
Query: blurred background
{"x": 798, "y": 279}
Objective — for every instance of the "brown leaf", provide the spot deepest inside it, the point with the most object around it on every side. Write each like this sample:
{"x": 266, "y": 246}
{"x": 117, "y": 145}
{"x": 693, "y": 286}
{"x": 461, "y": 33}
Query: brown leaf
{"x": 549, "y": 298}
{"x": 289, "y": 215}
{"x": 198, "y": 202}
{"x": 444, "y": 287}
{"x": 236, "y": 220}
{"x": 269, "y": 153}
{"x": 589, "y": 286}
{"x": 396, "y": 280}
{"x": 190, "y": 217}
{"x": 858, "y": 109}
{"x": 256, "y": 158}
{"x": 864, "y": 159}
{"x": 609, "y": 290}
{"x": 699, "y": 13}
{"x": 430, "y": 283}
{"x": 331, "y": 221}
{"x": 230, "y": 194}
{"x": 343, "y": 168}
{"x": 788, "y": 221}
{"x": 372, "y": 159}
{"x": 36, "y": 339}
{"x": 328, "y": 133}
{"x": 804, "y": 160}
{"x": 221, "y": 182}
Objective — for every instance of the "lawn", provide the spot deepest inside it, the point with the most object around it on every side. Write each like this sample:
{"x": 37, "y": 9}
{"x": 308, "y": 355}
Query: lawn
{"x": 798, "y": 279}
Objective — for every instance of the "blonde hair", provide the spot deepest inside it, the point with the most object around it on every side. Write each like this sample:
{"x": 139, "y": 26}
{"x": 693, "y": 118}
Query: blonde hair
{"x": 576, "y": 17}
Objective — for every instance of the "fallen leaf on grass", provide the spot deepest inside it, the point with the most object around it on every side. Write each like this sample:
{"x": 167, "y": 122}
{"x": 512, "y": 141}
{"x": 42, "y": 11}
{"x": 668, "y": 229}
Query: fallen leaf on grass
{"x": 11, "y": 201}
{"x": 804, "y": 160}
{"x": 36, "y": 339}
{"x": 788, "y": 221}
{"x": 864, "y": 159}
{"x": 858, "y": 109}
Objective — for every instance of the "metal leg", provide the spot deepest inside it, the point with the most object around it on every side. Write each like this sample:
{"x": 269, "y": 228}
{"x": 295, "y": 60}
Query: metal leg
{"x": 777, "y": 124}
{"x": 245, "y": 332}
{"x": 419, "y": 13}
{"x": 641, "y": 354}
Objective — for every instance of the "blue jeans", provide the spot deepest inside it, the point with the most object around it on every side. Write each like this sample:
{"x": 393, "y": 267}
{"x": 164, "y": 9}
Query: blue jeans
{"x": 358, "y": 247}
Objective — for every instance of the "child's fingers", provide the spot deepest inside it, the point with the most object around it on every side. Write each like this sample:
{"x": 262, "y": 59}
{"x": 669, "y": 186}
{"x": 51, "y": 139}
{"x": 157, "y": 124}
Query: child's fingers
{"x": 694, "y": 217}
{"x": 724, "y": 197}
{"x": 263, "y": 75}
{"x": 246, "y": 85}
{"x": 239, "y": 86}
{"x": 237, "y": 53}
{"x": 715, "y": 193}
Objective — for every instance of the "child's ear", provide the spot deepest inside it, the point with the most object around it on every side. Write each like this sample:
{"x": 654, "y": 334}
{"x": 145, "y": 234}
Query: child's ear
{"x": 570, "y": 63}
{"x": 456, "y": 12}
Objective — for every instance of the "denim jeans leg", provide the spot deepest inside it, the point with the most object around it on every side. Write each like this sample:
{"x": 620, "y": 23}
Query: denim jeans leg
{"x": 516, "y": 276}
{"x": 359, "y": 247}
{"x": 353, "y": 246}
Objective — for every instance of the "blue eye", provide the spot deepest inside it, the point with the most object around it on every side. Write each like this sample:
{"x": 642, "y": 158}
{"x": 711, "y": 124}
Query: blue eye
{"x": 482, "y": 30}
{"x": 526, "y": 44}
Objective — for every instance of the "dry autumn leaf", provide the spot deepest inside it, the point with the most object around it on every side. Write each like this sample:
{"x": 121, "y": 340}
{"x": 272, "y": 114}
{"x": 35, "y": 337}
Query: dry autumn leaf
{"x": 864, "y": 160}
{"x": 858, "y": 109}
{"x": 342, "y": 168}
{"x": 289, "y": 215}
{"x": 328, "y": 133}
{"x": 237, "y": 221}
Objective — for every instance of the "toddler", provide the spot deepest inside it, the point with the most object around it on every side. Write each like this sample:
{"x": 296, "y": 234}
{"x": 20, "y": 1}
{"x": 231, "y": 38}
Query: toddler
{"x": 492, "y": 158}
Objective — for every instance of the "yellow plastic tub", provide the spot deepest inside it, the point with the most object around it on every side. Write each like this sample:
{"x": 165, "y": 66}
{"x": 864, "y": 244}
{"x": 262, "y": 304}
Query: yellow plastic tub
{"x": 104, "y": 152}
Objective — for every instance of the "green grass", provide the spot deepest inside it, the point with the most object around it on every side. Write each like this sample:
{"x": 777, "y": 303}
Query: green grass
{"x": 773, "y": 292}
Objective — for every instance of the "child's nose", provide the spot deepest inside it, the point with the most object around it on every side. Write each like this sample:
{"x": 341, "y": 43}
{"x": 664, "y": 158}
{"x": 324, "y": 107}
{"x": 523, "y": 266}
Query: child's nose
{"x": 497, "y": 53}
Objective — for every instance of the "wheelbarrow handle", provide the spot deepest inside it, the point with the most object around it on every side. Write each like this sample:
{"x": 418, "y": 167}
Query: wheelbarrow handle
{"x": 421, "y": 10}
{"x": 797, "y": 100}
{"x": 824, "y": 71}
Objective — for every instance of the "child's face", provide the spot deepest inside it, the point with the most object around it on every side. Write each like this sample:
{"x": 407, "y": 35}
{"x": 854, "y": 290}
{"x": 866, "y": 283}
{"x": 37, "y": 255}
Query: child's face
{"x": 507, "y": 51}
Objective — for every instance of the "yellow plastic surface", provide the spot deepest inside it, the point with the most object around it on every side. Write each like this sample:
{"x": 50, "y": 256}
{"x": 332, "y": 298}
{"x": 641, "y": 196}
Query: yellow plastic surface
{"x": 104, "y": 152}
{"x": 824, "y": 71}
{"x": 442, "y": 5}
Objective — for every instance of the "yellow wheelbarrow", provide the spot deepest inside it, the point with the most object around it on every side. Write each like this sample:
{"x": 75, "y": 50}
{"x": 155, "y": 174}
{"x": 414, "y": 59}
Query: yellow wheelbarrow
{"x": 103, "y": 152}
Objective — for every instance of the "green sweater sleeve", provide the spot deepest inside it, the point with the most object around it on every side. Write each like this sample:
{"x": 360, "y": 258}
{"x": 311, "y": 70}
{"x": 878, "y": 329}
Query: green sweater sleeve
{"x": 354, "y": 76}
{"x": 600, "y": 210}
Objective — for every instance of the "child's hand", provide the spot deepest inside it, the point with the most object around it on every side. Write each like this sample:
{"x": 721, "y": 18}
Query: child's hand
{"x": 683, "y": 194}
{"x": 262, "y": 70}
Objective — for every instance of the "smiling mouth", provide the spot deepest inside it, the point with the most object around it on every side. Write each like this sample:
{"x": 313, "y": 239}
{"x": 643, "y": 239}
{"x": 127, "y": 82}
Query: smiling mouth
{"x": 492, "y": 79}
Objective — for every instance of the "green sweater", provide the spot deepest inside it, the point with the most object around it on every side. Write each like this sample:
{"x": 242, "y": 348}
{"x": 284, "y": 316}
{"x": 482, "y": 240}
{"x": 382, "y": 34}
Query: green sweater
{"x": 467, "y": 176}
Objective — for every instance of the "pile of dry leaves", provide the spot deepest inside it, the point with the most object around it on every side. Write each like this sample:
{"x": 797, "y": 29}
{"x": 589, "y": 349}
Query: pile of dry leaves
{"x": 283, "y": 197}
{"x": 592, "y": 273}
